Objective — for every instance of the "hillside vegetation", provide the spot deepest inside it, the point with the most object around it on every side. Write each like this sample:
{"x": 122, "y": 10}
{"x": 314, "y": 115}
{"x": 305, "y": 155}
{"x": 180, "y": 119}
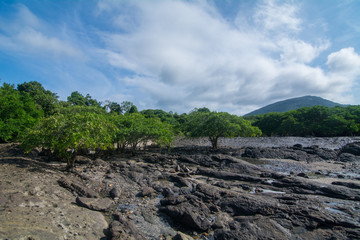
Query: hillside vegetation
{"x": 294, "y": 104}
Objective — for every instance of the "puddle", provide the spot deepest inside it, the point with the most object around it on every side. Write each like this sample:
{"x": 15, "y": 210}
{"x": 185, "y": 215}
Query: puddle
{"x": 127, "y": 207}
{"x": 272, "y": 191}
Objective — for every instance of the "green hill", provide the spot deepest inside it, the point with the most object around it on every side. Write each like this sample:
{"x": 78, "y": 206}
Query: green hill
{"x": 293, "y": 104}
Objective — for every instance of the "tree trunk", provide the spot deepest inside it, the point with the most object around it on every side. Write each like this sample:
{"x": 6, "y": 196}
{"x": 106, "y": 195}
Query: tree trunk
{"x": 214, "y": 142}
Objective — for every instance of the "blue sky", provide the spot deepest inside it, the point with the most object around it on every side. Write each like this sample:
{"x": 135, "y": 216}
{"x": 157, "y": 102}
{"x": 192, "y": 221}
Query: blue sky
{"x": 230, "y": 55}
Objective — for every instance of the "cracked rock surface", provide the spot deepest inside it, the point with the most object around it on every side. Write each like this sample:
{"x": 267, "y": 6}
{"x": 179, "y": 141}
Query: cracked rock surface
{"x": 184, "y": 193}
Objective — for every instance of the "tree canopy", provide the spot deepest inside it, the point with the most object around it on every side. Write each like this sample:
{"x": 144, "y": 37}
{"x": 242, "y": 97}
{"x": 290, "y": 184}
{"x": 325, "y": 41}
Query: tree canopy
{"x": 218, "y": 124}
{"x": 18, "y": 111}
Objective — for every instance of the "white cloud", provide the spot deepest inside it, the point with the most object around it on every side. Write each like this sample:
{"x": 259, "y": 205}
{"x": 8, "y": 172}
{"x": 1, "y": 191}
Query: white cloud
{"x": 28, "y": 34}
{"x": 346, "y": 61}
{"x": 294, "y": 50}
{"x": 178, "y": 55}
{"x": 185, "y": 56}
{"x": 274, "y": 17}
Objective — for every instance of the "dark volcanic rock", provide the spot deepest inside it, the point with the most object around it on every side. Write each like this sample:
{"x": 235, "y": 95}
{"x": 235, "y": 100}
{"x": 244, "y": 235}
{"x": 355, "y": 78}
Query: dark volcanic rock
{"x": 97, "y": 204}
{"x": 77, "y": 187}
{"x": 352, "y": 148}
{"x": 347, "y": 184}
{"x": 124, "y": 229}
{"x": 115, "y": 192}
{"x": 248, "y": 229}
{"x": 227, "y": 175}
{"x": 348, "y": 157}
{"x": 193, "y": 217}
{"x": 246, "y": 205}
{"x": 147, "y": 191}
{"x": 309, "y": 154}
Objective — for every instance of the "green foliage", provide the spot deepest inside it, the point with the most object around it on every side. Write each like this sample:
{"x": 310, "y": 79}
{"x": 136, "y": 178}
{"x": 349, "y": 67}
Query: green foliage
{"x": 134, "y": 129}
{"x": 113, "y": 107}
{"x": 317, "y": 121}
{"x": 67, "y": 134}
{"x": 77, "y": 99}
{"x": 218, "y": 124}
{"x": 45, "y": 98}
{"x": 17, "y": 112}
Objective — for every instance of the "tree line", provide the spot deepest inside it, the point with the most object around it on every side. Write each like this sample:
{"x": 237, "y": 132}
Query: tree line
{"x": 34, "y": 116}
{"x": 317, "y": 121}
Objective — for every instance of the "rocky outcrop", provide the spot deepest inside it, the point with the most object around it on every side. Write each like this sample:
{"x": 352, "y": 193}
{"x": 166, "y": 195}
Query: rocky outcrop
{"x": 96, "y": 204}
{"x": 77, "y": 187}
{"x": 297, "y": 153}
{"x": 187, "y": 193}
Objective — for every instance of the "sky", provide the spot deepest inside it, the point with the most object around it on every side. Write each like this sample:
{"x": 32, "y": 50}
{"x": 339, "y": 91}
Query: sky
{"x": 228, "y": 55}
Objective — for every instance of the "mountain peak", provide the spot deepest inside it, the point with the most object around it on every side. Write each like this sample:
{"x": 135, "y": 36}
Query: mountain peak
{"x": 293, "y": 104}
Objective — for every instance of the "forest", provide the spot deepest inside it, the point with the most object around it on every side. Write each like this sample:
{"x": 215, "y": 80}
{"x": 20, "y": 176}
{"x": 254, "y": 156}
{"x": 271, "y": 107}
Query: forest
{"x": 35, "y": 117}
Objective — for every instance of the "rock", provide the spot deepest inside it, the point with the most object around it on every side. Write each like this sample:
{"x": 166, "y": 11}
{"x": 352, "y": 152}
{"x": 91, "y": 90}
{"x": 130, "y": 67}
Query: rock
{"x": 77, "y": 187}
{"x": 97, "y": 204}
{"x": 181, "y": 181}
{"x": 348, "y": 157}
{"x": 249, "y": 229}
{"x": 182, "y": 236}
{"x": 246, "y": 205}
{"x": 193, "y": 217}
{"x": 225, "y": 175}
{"x": 304, "y": 175}
{"x": 147, "y": 192}
{"x": 352, "y": 148}
{"x": 173, "y": 200}
{"x": 347, "y": 184}
{"x": 115, "y": 192}
{"x": 99, "y": 162}
{"x": 82, "y": 160}
{"x": 124, "y": 229}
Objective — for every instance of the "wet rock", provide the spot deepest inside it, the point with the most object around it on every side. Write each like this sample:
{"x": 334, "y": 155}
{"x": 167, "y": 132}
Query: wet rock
{"x": 97, "y": 204}
{"x": 77, "y": 187}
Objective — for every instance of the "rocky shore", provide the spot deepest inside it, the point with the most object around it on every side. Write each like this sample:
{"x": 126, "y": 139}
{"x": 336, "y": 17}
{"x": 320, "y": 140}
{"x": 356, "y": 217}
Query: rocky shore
{"x": 189, "y": 192}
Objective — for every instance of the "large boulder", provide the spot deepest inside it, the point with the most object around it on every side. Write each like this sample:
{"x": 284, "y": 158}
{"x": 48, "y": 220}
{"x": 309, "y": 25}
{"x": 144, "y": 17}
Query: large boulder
{"x": 352, "y": 148}
{"x": 190, "y": 216}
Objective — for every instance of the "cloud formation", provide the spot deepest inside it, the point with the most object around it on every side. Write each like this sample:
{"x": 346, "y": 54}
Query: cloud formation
{"x": 178, "y": 55}
{"x": 185, "y": 55}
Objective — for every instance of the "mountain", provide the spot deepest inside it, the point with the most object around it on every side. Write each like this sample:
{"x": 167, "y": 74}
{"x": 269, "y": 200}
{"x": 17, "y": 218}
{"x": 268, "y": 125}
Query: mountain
{"x": 293, "y": 104}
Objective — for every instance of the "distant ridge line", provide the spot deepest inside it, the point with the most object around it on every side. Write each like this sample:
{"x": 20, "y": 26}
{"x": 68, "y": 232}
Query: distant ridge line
{"x": 293, "y": 104}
